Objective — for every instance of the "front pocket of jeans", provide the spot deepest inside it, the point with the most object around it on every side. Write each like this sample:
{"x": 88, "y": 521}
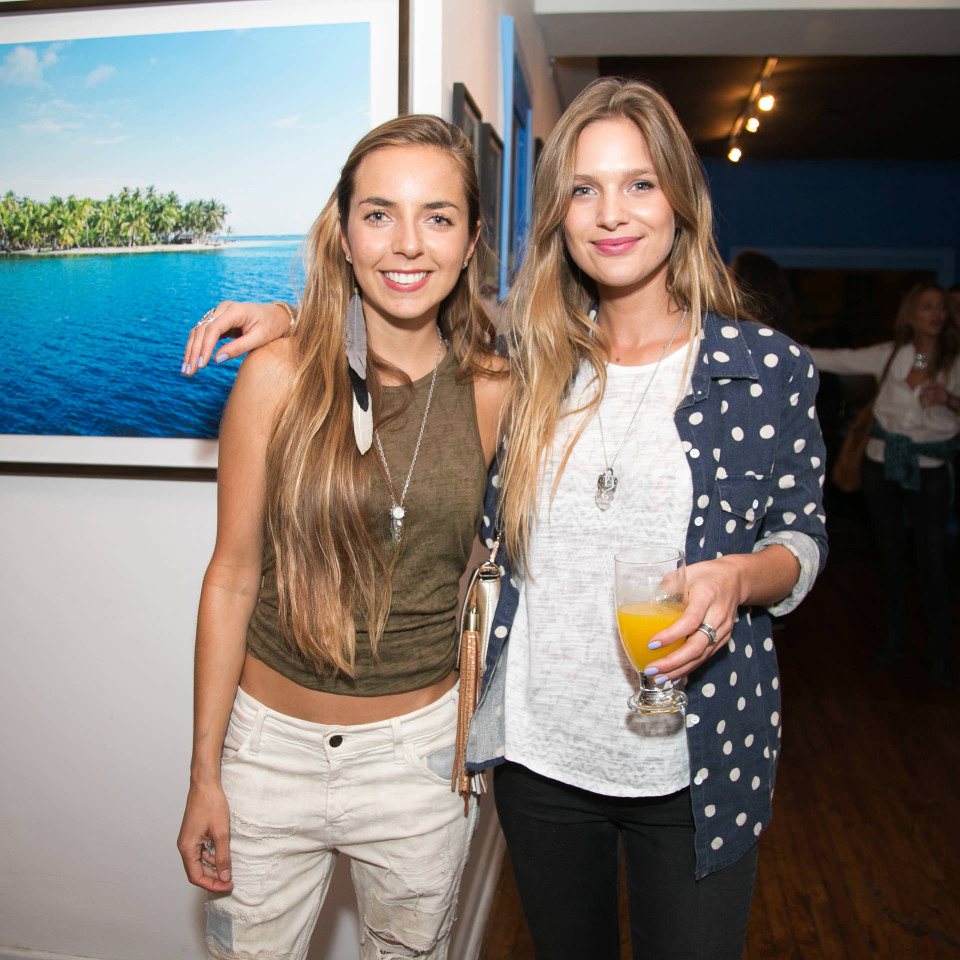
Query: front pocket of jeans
{"x": 434, "y": 755}
{"x": 234, "y": 740}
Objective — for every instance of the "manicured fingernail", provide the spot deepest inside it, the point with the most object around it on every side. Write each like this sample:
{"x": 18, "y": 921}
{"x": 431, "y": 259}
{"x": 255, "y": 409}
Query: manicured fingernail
{"x": 660, "y": 681}
{"x": 183, "y": 368}
{"x": 220, "y": 357}
{"x": 189, "y": 369}
{"x": 653, "y": 644}
{"x": 650, "y": 671}
{"x": 200, "y": 362}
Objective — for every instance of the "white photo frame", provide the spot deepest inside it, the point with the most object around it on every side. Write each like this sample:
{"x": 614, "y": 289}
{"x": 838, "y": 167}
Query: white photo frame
{"x": 382, "y": 19}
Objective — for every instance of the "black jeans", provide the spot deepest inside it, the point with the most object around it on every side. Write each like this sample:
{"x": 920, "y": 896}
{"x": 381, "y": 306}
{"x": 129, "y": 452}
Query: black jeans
{"x": 928, "y": 510}
{"x": 565, "y": 846}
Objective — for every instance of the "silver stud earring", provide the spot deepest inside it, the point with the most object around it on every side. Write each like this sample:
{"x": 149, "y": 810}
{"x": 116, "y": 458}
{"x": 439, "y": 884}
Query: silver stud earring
{"x": 349, "y": 258}
{"x": 465, "y": 262}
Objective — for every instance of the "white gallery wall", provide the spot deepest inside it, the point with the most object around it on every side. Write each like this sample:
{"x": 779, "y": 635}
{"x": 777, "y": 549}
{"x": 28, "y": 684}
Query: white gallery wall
{"x": 100, "y": 580}
{"x": 454, "y": 41}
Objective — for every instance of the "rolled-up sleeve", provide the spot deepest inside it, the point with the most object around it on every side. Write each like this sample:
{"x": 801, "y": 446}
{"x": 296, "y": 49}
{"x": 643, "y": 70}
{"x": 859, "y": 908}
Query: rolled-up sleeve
{"x": 794, "y": 518}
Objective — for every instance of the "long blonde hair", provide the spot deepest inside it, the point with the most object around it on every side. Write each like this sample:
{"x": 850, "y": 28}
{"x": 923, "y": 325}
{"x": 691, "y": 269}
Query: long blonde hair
{"x": 329, "y": 552}
{"x": 547, "y": 310}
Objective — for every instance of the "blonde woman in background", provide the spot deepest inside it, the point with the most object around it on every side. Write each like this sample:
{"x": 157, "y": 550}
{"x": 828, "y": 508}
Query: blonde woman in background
{"x": 906, "y": 472}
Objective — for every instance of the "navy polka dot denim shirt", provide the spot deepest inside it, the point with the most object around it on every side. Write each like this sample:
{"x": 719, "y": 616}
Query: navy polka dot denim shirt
{"x": 750, "y": 433}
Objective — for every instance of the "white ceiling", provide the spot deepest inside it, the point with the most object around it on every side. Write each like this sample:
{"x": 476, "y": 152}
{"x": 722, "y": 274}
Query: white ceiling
{"x": 687, "y": 28}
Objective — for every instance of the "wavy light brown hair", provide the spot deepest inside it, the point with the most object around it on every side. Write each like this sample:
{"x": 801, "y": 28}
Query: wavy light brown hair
{"x": 948, "y": 340}
{"x": 332, "y": 564}
{"x": 547, "y": 310}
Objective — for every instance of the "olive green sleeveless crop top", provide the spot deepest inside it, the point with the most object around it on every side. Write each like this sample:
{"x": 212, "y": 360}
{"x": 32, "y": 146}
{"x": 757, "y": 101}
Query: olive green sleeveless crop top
{"x": 444, "y": 505}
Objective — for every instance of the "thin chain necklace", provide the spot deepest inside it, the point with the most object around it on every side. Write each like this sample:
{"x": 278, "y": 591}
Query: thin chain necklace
{"x": 397, "y": 513}
{"x": 608, "y": 480}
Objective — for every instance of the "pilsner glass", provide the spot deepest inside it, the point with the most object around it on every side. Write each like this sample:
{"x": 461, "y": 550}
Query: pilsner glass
{"x": 651, "y": 593}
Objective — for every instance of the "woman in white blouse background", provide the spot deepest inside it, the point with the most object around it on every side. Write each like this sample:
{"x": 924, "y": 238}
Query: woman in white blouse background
{"x": 906, "y": 469}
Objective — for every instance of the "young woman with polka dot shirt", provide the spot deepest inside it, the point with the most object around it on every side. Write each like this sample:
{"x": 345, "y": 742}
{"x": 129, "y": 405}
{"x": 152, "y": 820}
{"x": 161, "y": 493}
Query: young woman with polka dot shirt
{"x": 626, "y": 357}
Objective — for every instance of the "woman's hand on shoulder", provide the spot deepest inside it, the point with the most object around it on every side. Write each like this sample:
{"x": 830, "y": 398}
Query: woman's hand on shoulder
{"x": 490, "y": 393}
{"x": 206, "y": 825}
{"x": 252, "y": 324}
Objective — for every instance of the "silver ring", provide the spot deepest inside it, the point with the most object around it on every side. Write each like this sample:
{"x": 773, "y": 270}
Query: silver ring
{"x": 709, "y": 633}
{"x": 207, "y": 317}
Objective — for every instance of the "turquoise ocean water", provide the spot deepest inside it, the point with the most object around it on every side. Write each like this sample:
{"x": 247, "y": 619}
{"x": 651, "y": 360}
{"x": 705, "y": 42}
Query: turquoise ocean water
{"x": 91, "y": 345}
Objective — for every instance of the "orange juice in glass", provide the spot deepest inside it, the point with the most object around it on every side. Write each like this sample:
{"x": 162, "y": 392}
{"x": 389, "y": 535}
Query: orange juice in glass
{"x": 651, "y": 594}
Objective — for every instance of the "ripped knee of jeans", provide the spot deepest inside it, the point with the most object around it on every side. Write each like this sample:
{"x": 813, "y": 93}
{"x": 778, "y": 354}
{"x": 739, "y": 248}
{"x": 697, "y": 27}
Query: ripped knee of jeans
{"x": 389, "y": 948}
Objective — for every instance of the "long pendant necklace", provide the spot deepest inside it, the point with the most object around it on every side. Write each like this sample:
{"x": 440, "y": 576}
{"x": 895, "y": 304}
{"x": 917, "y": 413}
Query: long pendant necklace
{"x": 607, "y": 481}
{"x": 397, "y": 513}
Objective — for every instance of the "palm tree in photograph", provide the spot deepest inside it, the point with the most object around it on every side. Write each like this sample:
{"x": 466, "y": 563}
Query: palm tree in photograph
{"x": 131, "y": 218}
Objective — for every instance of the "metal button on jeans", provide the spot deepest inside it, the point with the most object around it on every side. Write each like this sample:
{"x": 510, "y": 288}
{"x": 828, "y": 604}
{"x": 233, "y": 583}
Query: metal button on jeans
{"x": 336, "y": 740}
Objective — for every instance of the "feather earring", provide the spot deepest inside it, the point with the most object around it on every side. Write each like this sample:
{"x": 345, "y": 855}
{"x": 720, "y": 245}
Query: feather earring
{"x": 357, "y": 362}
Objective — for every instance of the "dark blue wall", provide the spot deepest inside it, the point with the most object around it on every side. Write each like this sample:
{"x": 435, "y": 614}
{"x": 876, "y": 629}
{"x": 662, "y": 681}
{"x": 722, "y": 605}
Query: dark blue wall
{"x": 852, "y": 204}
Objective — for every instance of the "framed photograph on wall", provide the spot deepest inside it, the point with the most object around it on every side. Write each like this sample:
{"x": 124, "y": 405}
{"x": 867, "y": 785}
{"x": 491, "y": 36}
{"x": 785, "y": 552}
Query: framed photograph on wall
{"x": 491, "y": 196}
{"x": 157, "y": 160}
{"x": 517, "y": 154}
{"x": 467, "y": 116}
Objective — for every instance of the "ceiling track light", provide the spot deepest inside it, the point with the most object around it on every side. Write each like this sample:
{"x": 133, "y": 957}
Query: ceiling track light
{"x": 758, "y": 99}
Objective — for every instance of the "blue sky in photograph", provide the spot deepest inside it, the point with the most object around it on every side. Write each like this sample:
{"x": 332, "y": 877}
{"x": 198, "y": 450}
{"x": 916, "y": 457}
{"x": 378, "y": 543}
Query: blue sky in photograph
{"x": 259, "y": 119}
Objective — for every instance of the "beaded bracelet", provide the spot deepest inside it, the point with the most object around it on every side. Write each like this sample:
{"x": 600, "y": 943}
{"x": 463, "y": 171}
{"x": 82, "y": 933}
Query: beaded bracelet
{"x": 288, "y": 308}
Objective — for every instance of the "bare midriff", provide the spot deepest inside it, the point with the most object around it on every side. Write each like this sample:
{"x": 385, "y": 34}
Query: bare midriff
{"x": 279, "y": 693}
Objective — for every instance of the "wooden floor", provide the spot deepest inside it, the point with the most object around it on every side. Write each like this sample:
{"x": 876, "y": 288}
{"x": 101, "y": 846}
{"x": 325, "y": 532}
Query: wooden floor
{"x": 862, "y": 859}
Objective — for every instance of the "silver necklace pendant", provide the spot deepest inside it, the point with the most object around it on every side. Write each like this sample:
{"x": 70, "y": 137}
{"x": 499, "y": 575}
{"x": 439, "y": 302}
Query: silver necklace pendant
{"x": 397, "y": 513}
{"x": 606, "y": 489}
{"x": 607, "y": 481}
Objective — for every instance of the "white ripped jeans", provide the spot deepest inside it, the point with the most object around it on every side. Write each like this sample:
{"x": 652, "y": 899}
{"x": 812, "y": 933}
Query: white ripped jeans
{"x": 301, "y": 792}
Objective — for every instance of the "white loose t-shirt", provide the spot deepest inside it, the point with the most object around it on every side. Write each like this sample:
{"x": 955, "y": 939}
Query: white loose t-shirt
{"x": 568, "y": 679}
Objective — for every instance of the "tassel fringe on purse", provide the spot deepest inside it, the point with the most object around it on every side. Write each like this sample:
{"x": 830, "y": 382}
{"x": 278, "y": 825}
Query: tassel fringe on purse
{"x": 476, "y": 620}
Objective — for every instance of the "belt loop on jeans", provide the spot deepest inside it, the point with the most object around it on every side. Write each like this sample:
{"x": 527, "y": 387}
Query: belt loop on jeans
{"x": 256, "y": 730}
{"x": 397, "y": 727}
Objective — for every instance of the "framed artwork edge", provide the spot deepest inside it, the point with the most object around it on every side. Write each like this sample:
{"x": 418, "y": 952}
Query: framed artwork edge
{"x": 182, "y": 458}
{"x": 491, "y": 193}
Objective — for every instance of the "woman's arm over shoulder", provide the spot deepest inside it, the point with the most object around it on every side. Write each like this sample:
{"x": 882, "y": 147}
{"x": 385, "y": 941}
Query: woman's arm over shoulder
{"x": 862, "y": 360}
{"x": 252, "y": 324}
{"x": 490, "y": 393}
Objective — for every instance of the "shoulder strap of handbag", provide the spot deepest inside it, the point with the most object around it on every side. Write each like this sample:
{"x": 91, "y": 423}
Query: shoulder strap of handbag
{"x": 887, "y": 365}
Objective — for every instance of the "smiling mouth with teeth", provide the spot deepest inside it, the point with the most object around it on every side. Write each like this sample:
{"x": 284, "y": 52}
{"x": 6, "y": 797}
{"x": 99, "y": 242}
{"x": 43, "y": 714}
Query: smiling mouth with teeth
{"x": 406, "y": 278}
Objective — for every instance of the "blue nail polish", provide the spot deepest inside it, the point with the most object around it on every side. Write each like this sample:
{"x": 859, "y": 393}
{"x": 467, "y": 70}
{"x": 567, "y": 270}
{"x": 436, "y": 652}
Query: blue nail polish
{"x": 220, "y": 357}
{"x": 650, "y": 671}
{"x": 653, "y": 645}
{"x": 200, "y": 362}
{"x": 660, "y": 681}
{"x": 183, "y": 368}
{"x": 189, "y": 368}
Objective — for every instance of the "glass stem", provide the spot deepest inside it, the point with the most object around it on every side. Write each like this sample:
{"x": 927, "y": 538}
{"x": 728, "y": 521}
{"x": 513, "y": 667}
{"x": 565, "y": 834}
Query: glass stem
{"x": 651, "y": 693}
